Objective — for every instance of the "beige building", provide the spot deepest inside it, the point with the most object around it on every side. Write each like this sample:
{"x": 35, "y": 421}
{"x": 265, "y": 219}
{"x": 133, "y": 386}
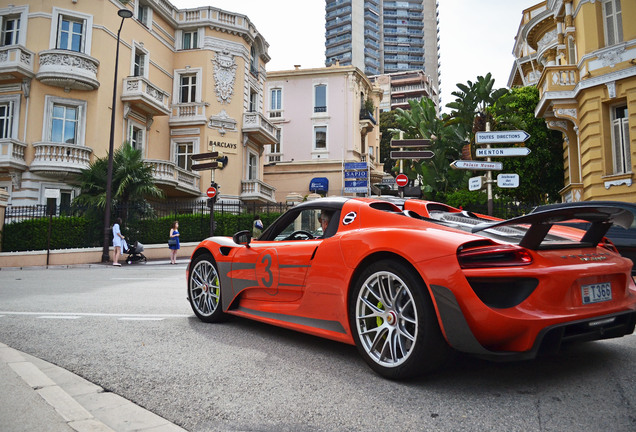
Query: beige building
{"x": 188, "y": 81}
{"x": 581, "y": 54}
{"x": 327, "y": 119}
{"x": 400, "y": 87}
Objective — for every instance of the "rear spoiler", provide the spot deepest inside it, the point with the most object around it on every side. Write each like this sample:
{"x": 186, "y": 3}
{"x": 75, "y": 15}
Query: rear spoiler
{"x": 601, "y": 218}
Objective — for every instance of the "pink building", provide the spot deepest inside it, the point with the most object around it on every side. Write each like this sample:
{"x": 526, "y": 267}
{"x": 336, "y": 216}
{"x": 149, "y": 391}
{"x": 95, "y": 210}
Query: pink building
{"x": 327, "y": 118}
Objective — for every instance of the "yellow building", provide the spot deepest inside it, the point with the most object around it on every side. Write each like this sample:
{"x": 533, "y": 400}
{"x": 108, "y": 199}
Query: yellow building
{"x": 189, "y": 81}
{"x": 581, "y": 54}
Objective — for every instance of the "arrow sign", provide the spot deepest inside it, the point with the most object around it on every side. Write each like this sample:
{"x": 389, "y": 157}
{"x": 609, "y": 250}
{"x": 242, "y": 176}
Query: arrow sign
{"x": 502, "y": 152}
{"x": 204, "y": 166}
{"x": 472, "y": 165}
{"x": 200, "y": 156}
{"x": 410, "y": 143}
{"x": 414, "y": 154}
{"x": 501, "y": 137}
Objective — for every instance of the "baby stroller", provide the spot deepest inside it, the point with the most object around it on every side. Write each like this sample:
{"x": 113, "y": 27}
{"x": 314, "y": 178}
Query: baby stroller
{"x": 134, "y": 252}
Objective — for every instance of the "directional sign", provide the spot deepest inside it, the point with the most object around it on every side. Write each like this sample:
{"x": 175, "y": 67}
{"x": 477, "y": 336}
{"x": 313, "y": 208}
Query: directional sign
{"x": 472, "y": 165}
{"x": 355, "y": 165}
{"x": 410, "y": 143}
{"x": 401, "y": 180}
{"x": 210, "y": 155}
{"x": 508, "y": 180}
{"x": 356, "y": 174}
{"x": 413, "y": 154}
{"x": 502, "y": 152}
{"x": 501, "y": 137}
{"x": 204, "y": 166}
{"x": 475, "y": 183}
{"x": 211, "y": 192}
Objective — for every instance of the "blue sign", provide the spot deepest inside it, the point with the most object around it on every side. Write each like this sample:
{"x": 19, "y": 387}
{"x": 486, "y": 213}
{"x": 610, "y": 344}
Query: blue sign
{"x": 355, "y": 165}
{"x": 319, "y": 184}
{"x": 356, "y": 184}
{"x": 356, "y": 174}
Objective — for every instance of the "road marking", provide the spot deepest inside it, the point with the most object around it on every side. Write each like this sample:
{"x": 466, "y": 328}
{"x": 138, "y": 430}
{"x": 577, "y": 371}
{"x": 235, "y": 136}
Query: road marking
{"x": 107, "y": 315}
{"x": 140, "y": 319}
{"x": 69, "y": 317}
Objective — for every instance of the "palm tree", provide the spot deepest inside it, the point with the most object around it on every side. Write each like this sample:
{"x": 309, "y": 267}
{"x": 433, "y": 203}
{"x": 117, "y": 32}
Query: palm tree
{"x": 132, "y": 182}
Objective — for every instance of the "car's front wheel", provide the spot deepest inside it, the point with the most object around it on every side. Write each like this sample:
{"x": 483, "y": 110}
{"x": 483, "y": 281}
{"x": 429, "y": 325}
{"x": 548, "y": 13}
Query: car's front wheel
{"x": 393, "y": 321}
{"x": 204, "y": 289}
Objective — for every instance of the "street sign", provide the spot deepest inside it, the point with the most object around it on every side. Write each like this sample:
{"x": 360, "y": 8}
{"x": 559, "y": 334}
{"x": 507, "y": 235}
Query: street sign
{"x": 356, "y": 186}
{"x": 472, "y": 165}
{"x": 476, "y": 183}
{"x": 502, "y": 152}
{"x": 356, "y": 174}
{"x": 210, "y": 155}
{"x": 410, "y": 143}
{"x": 355, "y": 165}
{"x": 401, "y": 180}
{"x": 501, "y": 137}
{"x": 508, "y": 180}
{"x": 211, "y": 192}
{"x": 413, "y": 154}
{"x": 204, "y": 166}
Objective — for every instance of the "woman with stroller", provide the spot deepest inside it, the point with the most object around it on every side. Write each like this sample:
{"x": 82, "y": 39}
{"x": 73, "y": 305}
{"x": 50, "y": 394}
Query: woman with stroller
{"x": 118, "y": 242}
{"x": 173, "y": 242}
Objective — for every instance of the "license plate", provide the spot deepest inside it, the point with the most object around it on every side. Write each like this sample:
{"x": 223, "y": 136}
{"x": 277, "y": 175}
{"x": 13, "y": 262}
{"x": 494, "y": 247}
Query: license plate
{"x": 596, "y": 293}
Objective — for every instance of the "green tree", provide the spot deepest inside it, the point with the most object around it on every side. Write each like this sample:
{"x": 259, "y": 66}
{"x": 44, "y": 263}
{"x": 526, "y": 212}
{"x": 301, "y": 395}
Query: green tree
{"x": 132, "y": 181}
{"x": 541, "y": 172}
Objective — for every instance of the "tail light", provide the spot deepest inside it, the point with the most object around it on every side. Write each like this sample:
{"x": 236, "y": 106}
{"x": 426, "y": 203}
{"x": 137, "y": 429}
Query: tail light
{"x": 493, "y": 256}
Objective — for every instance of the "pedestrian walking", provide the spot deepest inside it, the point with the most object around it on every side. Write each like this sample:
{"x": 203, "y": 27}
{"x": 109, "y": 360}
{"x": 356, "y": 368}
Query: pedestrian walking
{"x": 119, "y": 242}
{"x": 173, "y": 242}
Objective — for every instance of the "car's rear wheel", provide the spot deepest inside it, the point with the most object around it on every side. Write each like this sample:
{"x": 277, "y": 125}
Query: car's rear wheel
{"x": 393, "y": 321}
{"x": 204, "y": 289}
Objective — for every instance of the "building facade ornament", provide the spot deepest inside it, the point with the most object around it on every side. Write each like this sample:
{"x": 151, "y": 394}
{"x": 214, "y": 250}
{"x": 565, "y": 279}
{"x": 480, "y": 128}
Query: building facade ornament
{"x": 611, "y": 57}
{"x": 224, "y": 76}
{"x": 610, "y": 183}
{"x": 611, "y": 89}
{"x": 223, "y": 122}
{"x": 65, "y": 60}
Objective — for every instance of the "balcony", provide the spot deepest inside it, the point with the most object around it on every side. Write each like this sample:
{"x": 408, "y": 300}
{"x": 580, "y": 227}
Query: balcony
{"x": 142, "y": 94}
{"x": 68, "y": 69}
{"x": 167, "y": 173}
{"x": 259, "y": 129}
{"x": 17, "y": 61}
{"x": 12, "y": 154}
{"x": 188, "y": 114}
{"x": 256, "y": 190}
{"x": 60, "y": 159}
{"x": 558, "y": 78}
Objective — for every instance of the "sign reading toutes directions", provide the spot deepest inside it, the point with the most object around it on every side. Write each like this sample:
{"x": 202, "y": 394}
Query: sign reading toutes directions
{"x": 501, "y": 137}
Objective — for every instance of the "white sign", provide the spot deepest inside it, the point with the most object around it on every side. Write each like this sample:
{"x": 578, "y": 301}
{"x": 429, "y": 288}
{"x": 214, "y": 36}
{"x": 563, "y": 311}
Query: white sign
{"x": 473, "y": 165}
{"x": 501, "y": 137}
{"x": 508, "y": 180}
{"x": 475, "y": 183}
{"x": 502, "y": 152}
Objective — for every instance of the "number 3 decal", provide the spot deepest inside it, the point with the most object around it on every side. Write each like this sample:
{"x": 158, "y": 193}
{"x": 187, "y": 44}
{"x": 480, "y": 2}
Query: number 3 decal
{"x": 267, "y": 271}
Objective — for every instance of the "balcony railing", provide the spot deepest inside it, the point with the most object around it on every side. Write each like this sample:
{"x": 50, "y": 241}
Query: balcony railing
{"x": 558, "y": 78}
{"x": 68, "y": 69}
{"x": 169, "y": 174}
{"x": 188, "y": 114}
{"x": 256, "y": 190}
{"x": 60, "y": 158}
{"x": 12, "y": 154}
{"x": 259, "y": 129}
{"x": 17, "y": 61}
{"x": 141, "y": 92}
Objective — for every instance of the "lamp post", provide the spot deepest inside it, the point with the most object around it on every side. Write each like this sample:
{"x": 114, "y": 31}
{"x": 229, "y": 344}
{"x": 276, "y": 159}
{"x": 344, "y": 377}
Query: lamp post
{"x": 123, "y": 13}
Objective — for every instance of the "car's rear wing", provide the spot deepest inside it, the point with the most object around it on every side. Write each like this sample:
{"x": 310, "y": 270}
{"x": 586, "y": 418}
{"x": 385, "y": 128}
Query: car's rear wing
{"x": 600, "y": 217}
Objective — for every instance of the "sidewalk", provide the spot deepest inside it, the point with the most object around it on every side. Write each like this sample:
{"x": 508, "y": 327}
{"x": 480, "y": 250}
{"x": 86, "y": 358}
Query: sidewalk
{"x": 39, "y": 396}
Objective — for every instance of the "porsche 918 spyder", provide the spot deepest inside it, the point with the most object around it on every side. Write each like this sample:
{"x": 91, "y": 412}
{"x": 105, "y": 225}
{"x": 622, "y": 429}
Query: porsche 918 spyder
{"x": 409, "y": 281}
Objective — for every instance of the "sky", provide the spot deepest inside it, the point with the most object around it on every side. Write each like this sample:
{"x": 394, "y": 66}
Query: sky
{"x": 476, "y": 36}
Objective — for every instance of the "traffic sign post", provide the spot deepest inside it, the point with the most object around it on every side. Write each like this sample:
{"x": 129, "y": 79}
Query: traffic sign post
{"x": 401, "y": 180}
{"x": 474, "y": 165}
{"x": 402, "y": 143}
{"x": 501, "y": 137}
{"x": 412, "y": 154}
{"x": 502, "y": 152}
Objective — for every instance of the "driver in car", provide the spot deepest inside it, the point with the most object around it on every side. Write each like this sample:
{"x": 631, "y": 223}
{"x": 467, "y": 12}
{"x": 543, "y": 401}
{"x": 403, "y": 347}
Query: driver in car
{"x": 324, "y": 218}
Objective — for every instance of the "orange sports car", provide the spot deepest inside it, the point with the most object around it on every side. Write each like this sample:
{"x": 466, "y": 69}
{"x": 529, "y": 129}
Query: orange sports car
{"x": 408, "y": 281}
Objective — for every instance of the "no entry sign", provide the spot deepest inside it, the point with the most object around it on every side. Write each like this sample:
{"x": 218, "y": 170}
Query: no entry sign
{"x": 401, "y": 180}
{"x": 211, "y": 192}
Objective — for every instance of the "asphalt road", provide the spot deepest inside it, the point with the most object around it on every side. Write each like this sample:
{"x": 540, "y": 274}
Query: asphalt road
{"x": 131, "y": 331}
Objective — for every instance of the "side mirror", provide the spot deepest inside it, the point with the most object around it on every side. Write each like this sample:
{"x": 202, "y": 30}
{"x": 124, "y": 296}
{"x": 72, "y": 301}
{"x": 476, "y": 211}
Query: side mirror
{"x": 242, "y": 238}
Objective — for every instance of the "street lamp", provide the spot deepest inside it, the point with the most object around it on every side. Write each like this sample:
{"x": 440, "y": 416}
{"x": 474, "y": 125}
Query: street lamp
{"x": 123, "y": 13}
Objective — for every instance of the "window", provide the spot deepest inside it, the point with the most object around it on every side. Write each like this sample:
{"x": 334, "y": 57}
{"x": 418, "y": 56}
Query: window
{"x": 144, "y": 15}
{"x": 252, "y": 166}
{"x": 139, "y": 63}
{"x": 275, "y": 149}
{"x": 10, "y": 30}
{"x": 64, "y": 124}
{"x": 320, "y": 98}
{"x": 70, "y": 35}
{"x": 613, "y": 22}
{"x": 320, "y": 137}
{"x": 136, "y": 137}
{"x": 6, "y": 119}
{"x": 183, "y": 156}
{"x": 622, "y": 160}
{"x": 188, "y": 89}
{"x": 275, "y": 102}
{"x": 253, "y": 101}
{"x": 571, "y": 51}
{"x": 254, "y": 61}
{"x": 190, "y": 40}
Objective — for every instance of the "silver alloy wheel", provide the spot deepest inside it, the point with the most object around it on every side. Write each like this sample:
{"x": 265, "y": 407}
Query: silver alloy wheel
{"x": 205, "y": 288}
{"x": 386, "y": 319}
